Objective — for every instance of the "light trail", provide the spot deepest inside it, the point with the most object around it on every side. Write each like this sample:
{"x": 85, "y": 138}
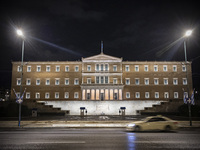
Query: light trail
{"x": 56, "y": 46}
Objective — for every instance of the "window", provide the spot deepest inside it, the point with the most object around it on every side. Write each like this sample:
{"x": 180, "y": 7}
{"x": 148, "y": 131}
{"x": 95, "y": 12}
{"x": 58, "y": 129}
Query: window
{"x": 37, "y": 81}
{"x": 101, "y": 67}
{"x": 127, "y": 81}
{"x": 76, "y": 95}
{"x": 47, "y": 81}
{"x": 166, "y": 95}
{"x": 156, "y": 94}
{"x": 114, "y": 67}
{"x": 146, "y": 94}
{"x": 146, "y": 68}
{"x": 28, "y": 81}
{"x": 66, "y": 81}
{"x": 136, "y": 68}
{"x": 47, "y": 95}
{"x": 66, "y": 68}
{"x": 88, "y": 67}
{"x": 56, "y": 94}
{"x": 97, "y": 67}
{"x": 146, "y": 81}
{"x": 183, "y": 68}
{"x": 165, "y": 68}
{"x": 18, "y": 81}
{"x": 155, "y": 68}
{"x": 175, "y": 81}
{"x": 106, "y": 79}
{"x": 38, "y": 69}
{"x": 28, "y": 68}
{"x": 106, "y": 67}
{"x": 127, "y": 94}
{"x": 19, "y": 69}
{"x": 137, "y": 95}
{"x": 57, "y": 81}
{"x": 175, "y": 68}
{"x": 76, "y": 82}
{"x": 165, "y": 81}
{"x": 88, "y": 80}
{"x": 28, "y": 95}
{"x": 66, "y": 94}
{"x": 57, "y": 68}
{"x": 175, "y": 94}
{"x": 76, "y": 68}
{"x": 48, "y": 68}
{"x": 137, "y": 81}
{"x": 127, "y": 68}
{"x": 114, "y": 80}
{"x": 156, "y": 81}
{"x": 97, "y": 79}
{"x": 37, "y": 95}
{"x": 184, "y": 81}
{"x": 102, "y": 79}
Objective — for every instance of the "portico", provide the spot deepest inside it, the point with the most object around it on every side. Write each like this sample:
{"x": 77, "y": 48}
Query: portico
{"x": 102, "y": 92}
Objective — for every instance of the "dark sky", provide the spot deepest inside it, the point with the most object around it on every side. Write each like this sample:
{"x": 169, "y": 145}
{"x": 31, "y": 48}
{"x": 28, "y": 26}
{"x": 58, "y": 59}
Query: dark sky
{"x": 62, "y": 30}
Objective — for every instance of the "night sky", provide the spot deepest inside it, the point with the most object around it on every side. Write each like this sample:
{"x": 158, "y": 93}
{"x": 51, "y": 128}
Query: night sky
{"x": 63, "y": 30}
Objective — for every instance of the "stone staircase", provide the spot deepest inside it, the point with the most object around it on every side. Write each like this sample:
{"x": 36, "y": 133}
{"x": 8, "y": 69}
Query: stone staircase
{"x": 165, "y": 107}
{"x": 42, "y": 109}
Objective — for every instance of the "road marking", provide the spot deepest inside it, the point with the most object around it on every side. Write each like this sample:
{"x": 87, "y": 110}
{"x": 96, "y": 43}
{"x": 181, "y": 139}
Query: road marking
{"x": 158, "y": 142}
{"x": 58, "y": 142}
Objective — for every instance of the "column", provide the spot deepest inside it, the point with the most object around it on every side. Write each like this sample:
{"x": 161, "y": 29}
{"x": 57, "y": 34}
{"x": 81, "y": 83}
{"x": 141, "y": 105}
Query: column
{"x": 83, "y": 94}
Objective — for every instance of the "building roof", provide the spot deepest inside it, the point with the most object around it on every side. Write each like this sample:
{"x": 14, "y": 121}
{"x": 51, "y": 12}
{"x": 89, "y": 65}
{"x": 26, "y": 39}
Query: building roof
{"x": 102, "y": 58}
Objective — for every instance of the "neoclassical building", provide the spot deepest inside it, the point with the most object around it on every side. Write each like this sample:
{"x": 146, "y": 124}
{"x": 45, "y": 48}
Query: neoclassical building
{"x": 102, "y": 82}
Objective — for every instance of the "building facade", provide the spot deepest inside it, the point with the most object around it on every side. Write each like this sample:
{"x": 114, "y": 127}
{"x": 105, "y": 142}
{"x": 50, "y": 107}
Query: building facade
{"x": 103, "y": 78}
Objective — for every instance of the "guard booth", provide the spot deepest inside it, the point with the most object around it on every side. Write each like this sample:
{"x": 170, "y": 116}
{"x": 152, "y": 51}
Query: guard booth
{"x": 122, "y": 111}
{"x": 83, "y": 111}
{"x": 34, "y": 112}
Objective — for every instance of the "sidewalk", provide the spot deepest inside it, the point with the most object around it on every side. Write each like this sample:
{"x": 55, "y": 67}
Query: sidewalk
{"x": 80, "y": 124}
{"x": 86, "y": 121}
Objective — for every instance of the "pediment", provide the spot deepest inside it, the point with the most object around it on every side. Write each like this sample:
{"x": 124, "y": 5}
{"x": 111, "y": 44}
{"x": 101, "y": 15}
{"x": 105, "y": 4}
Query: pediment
{"x": 102, "y": 58}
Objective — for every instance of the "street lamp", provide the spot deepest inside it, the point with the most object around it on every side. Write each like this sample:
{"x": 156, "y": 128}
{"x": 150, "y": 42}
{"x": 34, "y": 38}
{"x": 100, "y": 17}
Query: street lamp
{"x": 20, "y": 33}
{"x": 187, "y": 34}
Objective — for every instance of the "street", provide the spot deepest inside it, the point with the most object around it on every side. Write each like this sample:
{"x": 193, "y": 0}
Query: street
{"x": 96, "y": 138}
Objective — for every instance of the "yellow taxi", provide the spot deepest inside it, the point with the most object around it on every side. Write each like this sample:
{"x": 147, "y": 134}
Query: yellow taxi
{"x": 153, "y": 123}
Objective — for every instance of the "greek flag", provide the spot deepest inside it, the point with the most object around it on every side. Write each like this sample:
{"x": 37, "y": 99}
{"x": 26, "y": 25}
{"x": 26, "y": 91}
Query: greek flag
{"x": 185, "y": 98}
{"x": 19, "y": 99}
{"x": 192, "y": 98}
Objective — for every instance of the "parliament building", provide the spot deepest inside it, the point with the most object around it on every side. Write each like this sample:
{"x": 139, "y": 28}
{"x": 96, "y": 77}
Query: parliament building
{"x": 102, "y": 83}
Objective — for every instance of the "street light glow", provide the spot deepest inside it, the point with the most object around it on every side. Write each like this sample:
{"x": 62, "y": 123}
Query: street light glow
{"x": 188, "y": 33}
{"x": 19, "y": 32}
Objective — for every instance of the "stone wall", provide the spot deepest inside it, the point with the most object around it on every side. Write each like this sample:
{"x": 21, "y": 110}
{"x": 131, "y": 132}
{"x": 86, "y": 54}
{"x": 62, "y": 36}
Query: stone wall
{"x": 105, "y": 107}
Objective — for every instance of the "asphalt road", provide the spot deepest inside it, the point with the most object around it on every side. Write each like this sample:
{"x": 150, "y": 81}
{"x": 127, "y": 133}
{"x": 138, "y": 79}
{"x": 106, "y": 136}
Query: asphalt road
{"x": 96, "y": 139}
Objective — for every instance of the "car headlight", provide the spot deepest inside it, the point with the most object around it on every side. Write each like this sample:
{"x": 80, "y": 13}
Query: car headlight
{"x": 131, "y": 125}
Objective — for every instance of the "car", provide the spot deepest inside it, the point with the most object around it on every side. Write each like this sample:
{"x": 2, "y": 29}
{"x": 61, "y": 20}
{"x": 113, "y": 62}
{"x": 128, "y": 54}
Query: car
{"x": 153, "y": 123}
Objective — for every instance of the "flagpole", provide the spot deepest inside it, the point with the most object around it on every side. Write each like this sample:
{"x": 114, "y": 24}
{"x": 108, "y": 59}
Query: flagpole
{"x": 189, "y": 101}
{"x": 21, "y": 81}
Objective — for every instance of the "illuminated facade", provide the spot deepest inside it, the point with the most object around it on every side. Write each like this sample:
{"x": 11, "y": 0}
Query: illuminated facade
{"x": 102, "y": 78}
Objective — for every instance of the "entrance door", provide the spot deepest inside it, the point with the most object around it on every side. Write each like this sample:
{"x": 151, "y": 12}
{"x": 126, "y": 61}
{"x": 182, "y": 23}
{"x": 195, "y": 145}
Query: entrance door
{"x": 102, "y": 96}
{"x": 115, "y": 96}
{"x": 88, "y": 96}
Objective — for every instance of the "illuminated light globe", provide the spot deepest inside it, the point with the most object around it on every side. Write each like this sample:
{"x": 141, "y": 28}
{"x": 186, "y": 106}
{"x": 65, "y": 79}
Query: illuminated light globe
{"x": 188, "y": 33}
{"x": 19, "y": 32}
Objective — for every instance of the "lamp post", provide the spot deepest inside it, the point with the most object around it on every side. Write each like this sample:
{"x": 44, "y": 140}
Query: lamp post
{"x": 20, "y": 33}
{"x": 187, "y": 34}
